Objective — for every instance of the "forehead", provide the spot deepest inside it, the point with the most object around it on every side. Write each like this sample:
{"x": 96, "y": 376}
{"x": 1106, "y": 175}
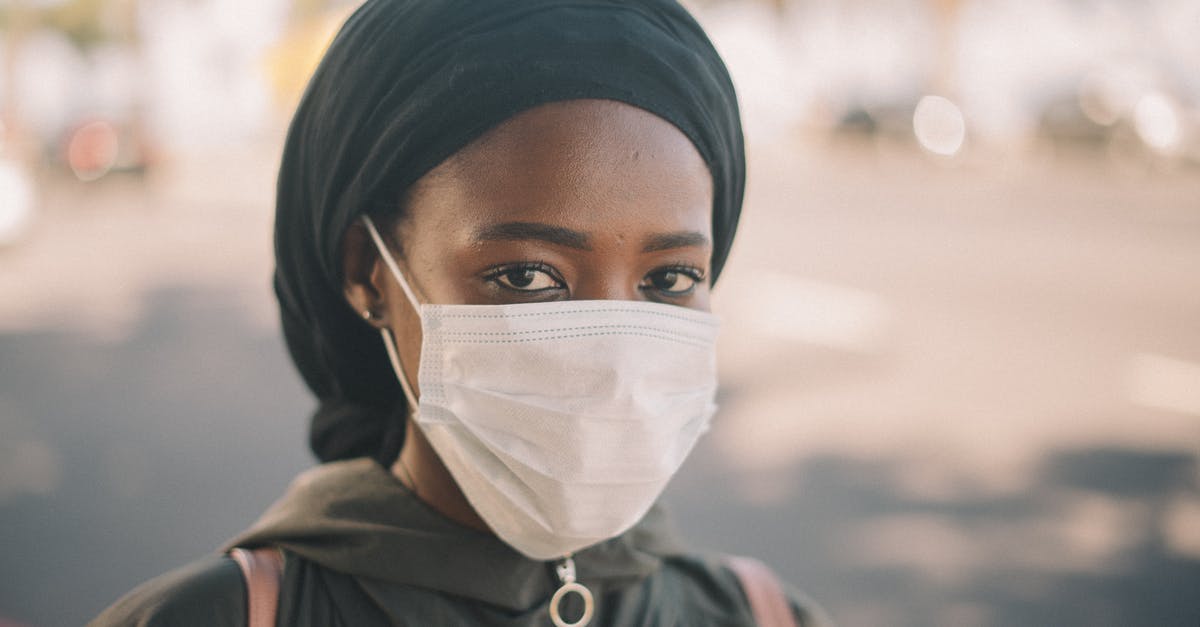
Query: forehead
{"x": 599, "y": 166}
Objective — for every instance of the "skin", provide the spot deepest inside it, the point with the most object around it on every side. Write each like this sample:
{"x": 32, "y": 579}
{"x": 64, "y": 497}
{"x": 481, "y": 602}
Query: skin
{"x": 576, "y": 200}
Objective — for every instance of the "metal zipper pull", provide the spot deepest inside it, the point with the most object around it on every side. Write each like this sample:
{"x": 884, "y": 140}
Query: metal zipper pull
{"x": 566, "y": 574}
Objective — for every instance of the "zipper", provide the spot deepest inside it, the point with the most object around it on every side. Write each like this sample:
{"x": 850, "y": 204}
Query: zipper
{"x": 566, "y": 576}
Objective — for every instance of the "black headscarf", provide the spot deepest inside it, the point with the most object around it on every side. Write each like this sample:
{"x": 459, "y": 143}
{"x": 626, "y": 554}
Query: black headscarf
{"x": 406, "y": 84}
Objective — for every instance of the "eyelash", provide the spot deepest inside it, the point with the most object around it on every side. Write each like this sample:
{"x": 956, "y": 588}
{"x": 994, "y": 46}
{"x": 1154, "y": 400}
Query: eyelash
{"x": 688, "y": 270}
{"x": 494, "y": 275}
{"x": 692, "y": 272}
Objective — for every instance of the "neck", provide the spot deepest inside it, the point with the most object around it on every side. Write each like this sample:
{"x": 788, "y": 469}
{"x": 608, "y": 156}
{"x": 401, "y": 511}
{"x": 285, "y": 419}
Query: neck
{"x": 420, "y": 469}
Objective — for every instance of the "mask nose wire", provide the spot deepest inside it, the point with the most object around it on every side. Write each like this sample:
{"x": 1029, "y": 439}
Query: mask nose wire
{"x": 389, "y": 341}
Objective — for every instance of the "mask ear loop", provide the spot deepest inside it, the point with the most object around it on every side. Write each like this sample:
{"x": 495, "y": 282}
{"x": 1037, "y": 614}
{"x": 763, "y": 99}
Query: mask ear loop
{"x": 389, "y": 341}
{"x": 389, "y": 261}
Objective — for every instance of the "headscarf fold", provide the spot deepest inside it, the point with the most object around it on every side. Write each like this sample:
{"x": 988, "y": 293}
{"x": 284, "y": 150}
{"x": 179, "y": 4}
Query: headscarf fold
{"x": 406, "y": 84}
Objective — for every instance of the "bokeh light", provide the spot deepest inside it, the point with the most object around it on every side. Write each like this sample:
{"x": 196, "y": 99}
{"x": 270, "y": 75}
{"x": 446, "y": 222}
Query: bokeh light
{"x": 939, "y": 126}
{"x": 1100, "y": 99}
{"x": 16, "y": 202}
{"x": 92, "y": 150}
{"x": 1157, "y": 121}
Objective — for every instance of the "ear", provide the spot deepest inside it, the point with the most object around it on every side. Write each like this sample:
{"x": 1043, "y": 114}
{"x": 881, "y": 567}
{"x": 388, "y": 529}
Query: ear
{"x": 361, "y": 274}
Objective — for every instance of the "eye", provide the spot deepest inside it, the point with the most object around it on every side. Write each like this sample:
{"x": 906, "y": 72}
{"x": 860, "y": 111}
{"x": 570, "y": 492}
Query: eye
{"x": 525, "y": 278}
{"x": 673, "y": 281}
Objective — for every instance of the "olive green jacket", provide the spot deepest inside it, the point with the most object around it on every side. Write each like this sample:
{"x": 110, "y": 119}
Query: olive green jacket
{"x": 361, "y": 550}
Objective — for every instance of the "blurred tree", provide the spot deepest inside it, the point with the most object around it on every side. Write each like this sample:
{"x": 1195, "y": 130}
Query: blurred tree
{"x": 87, "y": 24}
{"x": 83, "y": 22}
{"x": 304, "y": 9}
{"x": 945, "y": 80}
{"x": 16, "y": 21}
{"x": 292, "y": 60}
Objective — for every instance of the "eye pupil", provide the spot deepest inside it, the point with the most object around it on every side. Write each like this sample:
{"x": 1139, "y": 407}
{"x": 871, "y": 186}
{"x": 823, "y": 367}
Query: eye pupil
{"x": 521, "y": 278}
{"x": 666, "y": 280}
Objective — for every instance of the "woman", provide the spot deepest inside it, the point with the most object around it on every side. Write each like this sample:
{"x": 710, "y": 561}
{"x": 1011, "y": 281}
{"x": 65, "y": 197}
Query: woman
{"x": 497, "y": 228}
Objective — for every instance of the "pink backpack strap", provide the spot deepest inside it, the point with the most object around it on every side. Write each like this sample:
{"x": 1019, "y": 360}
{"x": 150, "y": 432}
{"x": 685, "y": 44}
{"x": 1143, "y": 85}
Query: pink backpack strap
{"x": 262, "y": 569}
{"x": 768, "y": 603}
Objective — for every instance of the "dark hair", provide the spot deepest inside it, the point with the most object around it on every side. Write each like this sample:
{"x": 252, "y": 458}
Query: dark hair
{"x": 406, "y": 84}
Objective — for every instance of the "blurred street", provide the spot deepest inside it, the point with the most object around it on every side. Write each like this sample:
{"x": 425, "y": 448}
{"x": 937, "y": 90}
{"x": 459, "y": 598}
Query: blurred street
{"x": 961, "y": 323}
{"x": 952, "y": 396}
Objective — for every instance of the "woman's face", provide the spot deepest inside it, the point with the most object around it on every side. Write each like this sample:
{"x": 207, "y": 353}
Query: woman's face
{"x": 584, "y": 199}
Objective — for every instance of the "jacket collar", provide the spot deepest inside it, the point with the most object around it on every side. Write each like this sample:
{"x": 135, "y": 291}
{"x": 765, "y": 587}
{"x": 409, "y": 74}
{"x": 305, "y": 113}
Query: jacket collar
{"x": 356, "y": 518}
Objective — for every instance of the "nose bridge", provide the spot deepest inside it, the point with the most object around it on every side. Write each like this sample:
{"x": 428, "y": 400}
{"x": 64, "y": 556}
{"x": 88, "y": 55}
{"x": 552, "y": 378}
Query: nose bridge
{"x": 606, "y": 282}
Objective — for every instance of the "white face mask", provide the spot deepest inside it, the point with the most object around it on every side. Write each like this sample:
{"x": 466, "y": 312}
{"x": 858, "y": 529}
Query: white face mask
{"x": 562, "y": 421}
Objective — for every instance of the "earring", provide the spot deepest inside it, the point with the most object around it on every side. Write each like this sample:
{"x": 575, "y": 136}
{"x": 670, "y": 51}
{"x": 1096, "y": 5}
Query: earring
{"x": 370, "y": 315}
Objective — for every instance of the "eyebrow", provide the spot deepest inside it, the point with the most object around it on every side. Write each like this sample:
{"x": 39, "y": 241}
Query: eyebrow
{"x": 536, "y": 231}
{"x": 680, "y": 239}
{"x": 562, "y": 236}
